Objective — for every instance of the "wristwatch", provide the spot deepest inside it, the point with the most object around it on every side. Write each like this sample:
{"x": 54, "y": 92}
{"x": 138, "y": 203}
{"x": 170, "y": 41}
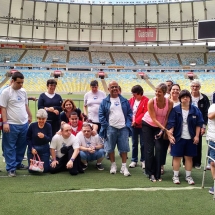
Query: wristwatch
{"x": 72, "y": 159}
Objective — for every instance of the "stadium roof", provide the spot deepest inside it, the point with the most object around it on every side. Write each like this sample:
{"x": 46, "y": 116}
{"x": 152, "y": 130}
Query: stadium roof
{"x": 51, "y": 22}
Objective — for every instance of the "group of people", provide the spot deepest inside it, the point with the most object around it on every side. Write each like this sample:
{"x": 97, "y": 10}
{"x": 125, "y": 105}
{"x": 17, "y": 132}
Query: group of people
{"x": 174, "y": 119}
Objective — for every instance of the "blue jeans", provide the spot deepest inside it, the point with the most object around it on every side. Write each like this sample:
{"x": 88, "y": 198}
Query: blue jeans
{"x": 44, "y": 153}
{"x": 137, "y": 132}
{"x": 14, "y": 145}
{"x": 211, "y": 152}
{"x": 117, "y": 137}
{"x": 86, "y": 156}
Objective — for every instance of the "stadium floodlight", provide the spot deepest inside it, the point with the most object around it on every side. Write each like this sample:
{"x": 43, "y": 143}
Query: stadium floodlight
{"x": 7, "y": 59}
{"x": 192, "y": 63}
{"x": 102, "y": 61}
{"x": 146, "y": 62}
{"x": 55, "y": 59}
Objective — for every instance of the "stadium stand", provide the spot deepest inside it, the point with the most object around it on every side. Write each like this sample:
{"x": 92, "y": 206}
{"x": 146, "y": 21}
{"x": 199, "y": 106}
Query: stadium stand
{"x": 168, "y": 59}
{"x": 14, "y": 54}
{"x": 122, "y": 59}
{"x": 61, "y": 55}
{"x": 211, "y": 59}
{"x": 140, "y": 57}
{"x": 194, "y": 57}
{"x": 79, "y": 58}
{"x": 33, "y": 56}
{"x": 96, "y": 56}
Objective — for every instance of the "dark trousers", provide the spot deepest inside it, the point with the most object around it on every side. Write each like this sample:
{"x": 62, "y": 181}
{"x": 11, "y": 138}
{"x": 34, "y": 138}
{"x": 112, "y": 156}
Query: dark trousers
{"x": 136, "y": 133}
{"x": 44, "y": 154}
{"x": 99, "y": 126}
{"x": 55, "y": 126}
{"x": 61, "y": 166}
{"x": 197, "y": 160}
{"x": 153, "y": 149}
{"x": 164, "y": 151}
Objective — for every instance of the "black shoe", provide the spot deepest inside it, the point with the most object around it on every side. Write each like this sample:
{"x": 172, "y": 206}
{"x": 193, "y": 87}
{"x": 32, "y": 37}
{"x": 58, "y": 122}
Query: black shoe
{"x": 84, "y": 166}
{"x": 99, "y": 167}
{"x": 22, "y": 167}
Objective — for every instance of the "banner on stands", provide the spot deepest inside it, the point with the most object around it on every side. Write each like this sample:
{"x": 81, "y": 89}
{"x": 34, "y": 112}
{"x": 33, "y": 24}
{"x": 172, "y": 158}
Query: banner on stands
{"x": 145, "y": 34}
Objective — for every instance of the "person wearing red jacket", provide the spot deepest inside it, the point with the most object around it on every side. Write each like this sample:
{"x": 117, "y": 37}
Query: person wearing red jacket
{"x": 139, "y": 106}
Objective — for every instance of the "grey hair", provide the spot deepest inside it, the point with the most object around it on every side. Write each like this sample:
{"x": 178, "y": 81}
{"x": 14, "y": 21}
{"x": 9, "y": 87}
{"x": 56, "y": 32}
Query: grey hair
{"x": 63, "y": 125}
{"x": 195, "y": 82}
{"x": 41, "y": 113}
{"x": 163, "y": 87}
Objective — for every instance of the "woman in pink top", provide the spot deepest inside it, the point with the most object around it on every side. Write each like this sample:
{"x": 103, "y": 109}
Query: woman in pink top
{"x": 153, "y": 126}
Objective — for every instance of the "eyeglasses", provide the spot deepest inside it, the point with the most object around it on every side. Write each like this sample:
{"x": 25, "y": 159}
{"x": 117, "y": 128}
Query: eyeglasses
{"x": 195, "y": 86}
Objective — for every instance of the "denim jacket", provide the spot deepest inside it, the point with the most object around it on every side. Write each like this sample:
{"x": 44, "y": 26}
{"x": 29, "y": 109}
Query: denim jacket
{"x": 104, "y": 111}
{"x": 175, "y": 121}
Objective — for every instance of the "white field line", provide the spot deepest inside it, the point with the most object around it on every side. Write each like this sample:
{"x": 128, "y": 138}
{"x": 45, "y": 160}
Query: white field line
{"x": 129, "y": 189}
{"x": 6, "y": 176}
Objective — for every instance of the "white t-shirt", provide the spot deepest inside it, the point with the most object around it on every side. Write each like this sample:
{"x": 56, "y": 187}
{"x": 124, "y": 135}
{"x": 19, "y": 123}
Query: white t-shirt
{"x": 176, "y": 103}
{"x": 135, "y": 106}
{"x": 58, "y": 142}
{"x": 195, "y": 101}
{"x": 15, "y": 102}
{"x": 93, "y": 101}
{"x": 85, "y": 142}
{"x": 185, "y": 132}
{"x": 116, "y": 116}
{"x": 167, "y": 95}
{"x": 211, "y": 124}
{"x": 50, "y": 95}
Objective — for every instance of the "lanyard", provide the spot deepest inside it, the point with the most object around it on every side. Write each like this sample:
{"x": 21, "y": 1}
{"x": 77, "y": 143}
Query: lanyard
{"x": 88, "y": 143}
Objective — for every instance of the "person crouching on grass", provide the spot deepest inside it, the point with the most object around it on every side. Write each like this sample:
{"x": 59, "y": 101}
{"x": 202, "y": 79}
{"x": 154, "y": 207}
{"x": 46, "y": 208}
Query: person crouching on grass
{"x": 64, "y": 150}
{"x": 91, "y": 147}
{"x": 185, "y": 121}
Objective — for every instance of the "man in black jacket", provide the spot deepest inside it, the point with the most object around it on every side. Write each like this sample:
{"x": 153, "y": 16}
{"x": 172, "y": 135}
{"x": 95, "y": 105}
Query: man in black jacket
{"x": 201, "y": 101}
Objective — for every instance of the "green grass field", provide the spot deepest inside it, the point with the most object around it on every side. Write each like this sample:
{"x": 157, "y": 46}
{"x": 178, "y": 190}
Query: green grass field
{"x": 91, "y": 193}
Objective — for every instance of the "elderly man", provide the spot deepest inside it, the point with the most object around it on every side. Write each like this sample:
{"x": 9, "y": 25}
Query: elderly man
{"x": 201, "y": 101}
{"x": 15, "y": 116}
{"x": 91, "y": 147}
{"x": 64, "y": 150}
{"x": 115, "y": 116}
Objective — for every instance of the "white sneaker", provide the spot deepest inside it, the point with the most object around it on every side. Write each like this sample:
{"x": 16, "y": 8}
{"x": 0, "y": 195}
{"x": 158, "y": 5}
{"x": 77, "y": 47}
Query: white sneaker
{"x": 208, "y": 167}
{"x": 132, "y": 164}
{"x": 25, "y": 158}
{"x": 125, "y": 171}
{"x": 143, "y": 164}
{"x": 113, "y": 169}
{"x": 190, "y": 180}
{"x": 175, "y": 179}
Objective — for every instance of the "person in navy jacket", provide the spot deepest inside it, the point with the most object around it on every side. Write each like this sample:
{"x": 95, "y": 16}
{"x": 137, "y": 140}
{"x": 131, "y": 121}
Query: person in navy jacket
{"x": 139, "y": 106}
{"x": 51, "y": 102}
{"x": 185, "y": 121}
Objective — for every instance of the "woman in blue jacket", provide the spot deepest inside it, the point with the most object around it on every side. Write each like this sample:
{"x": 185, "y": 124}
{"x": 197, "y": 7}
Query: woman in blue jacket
{"x": 185, "y": 121}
